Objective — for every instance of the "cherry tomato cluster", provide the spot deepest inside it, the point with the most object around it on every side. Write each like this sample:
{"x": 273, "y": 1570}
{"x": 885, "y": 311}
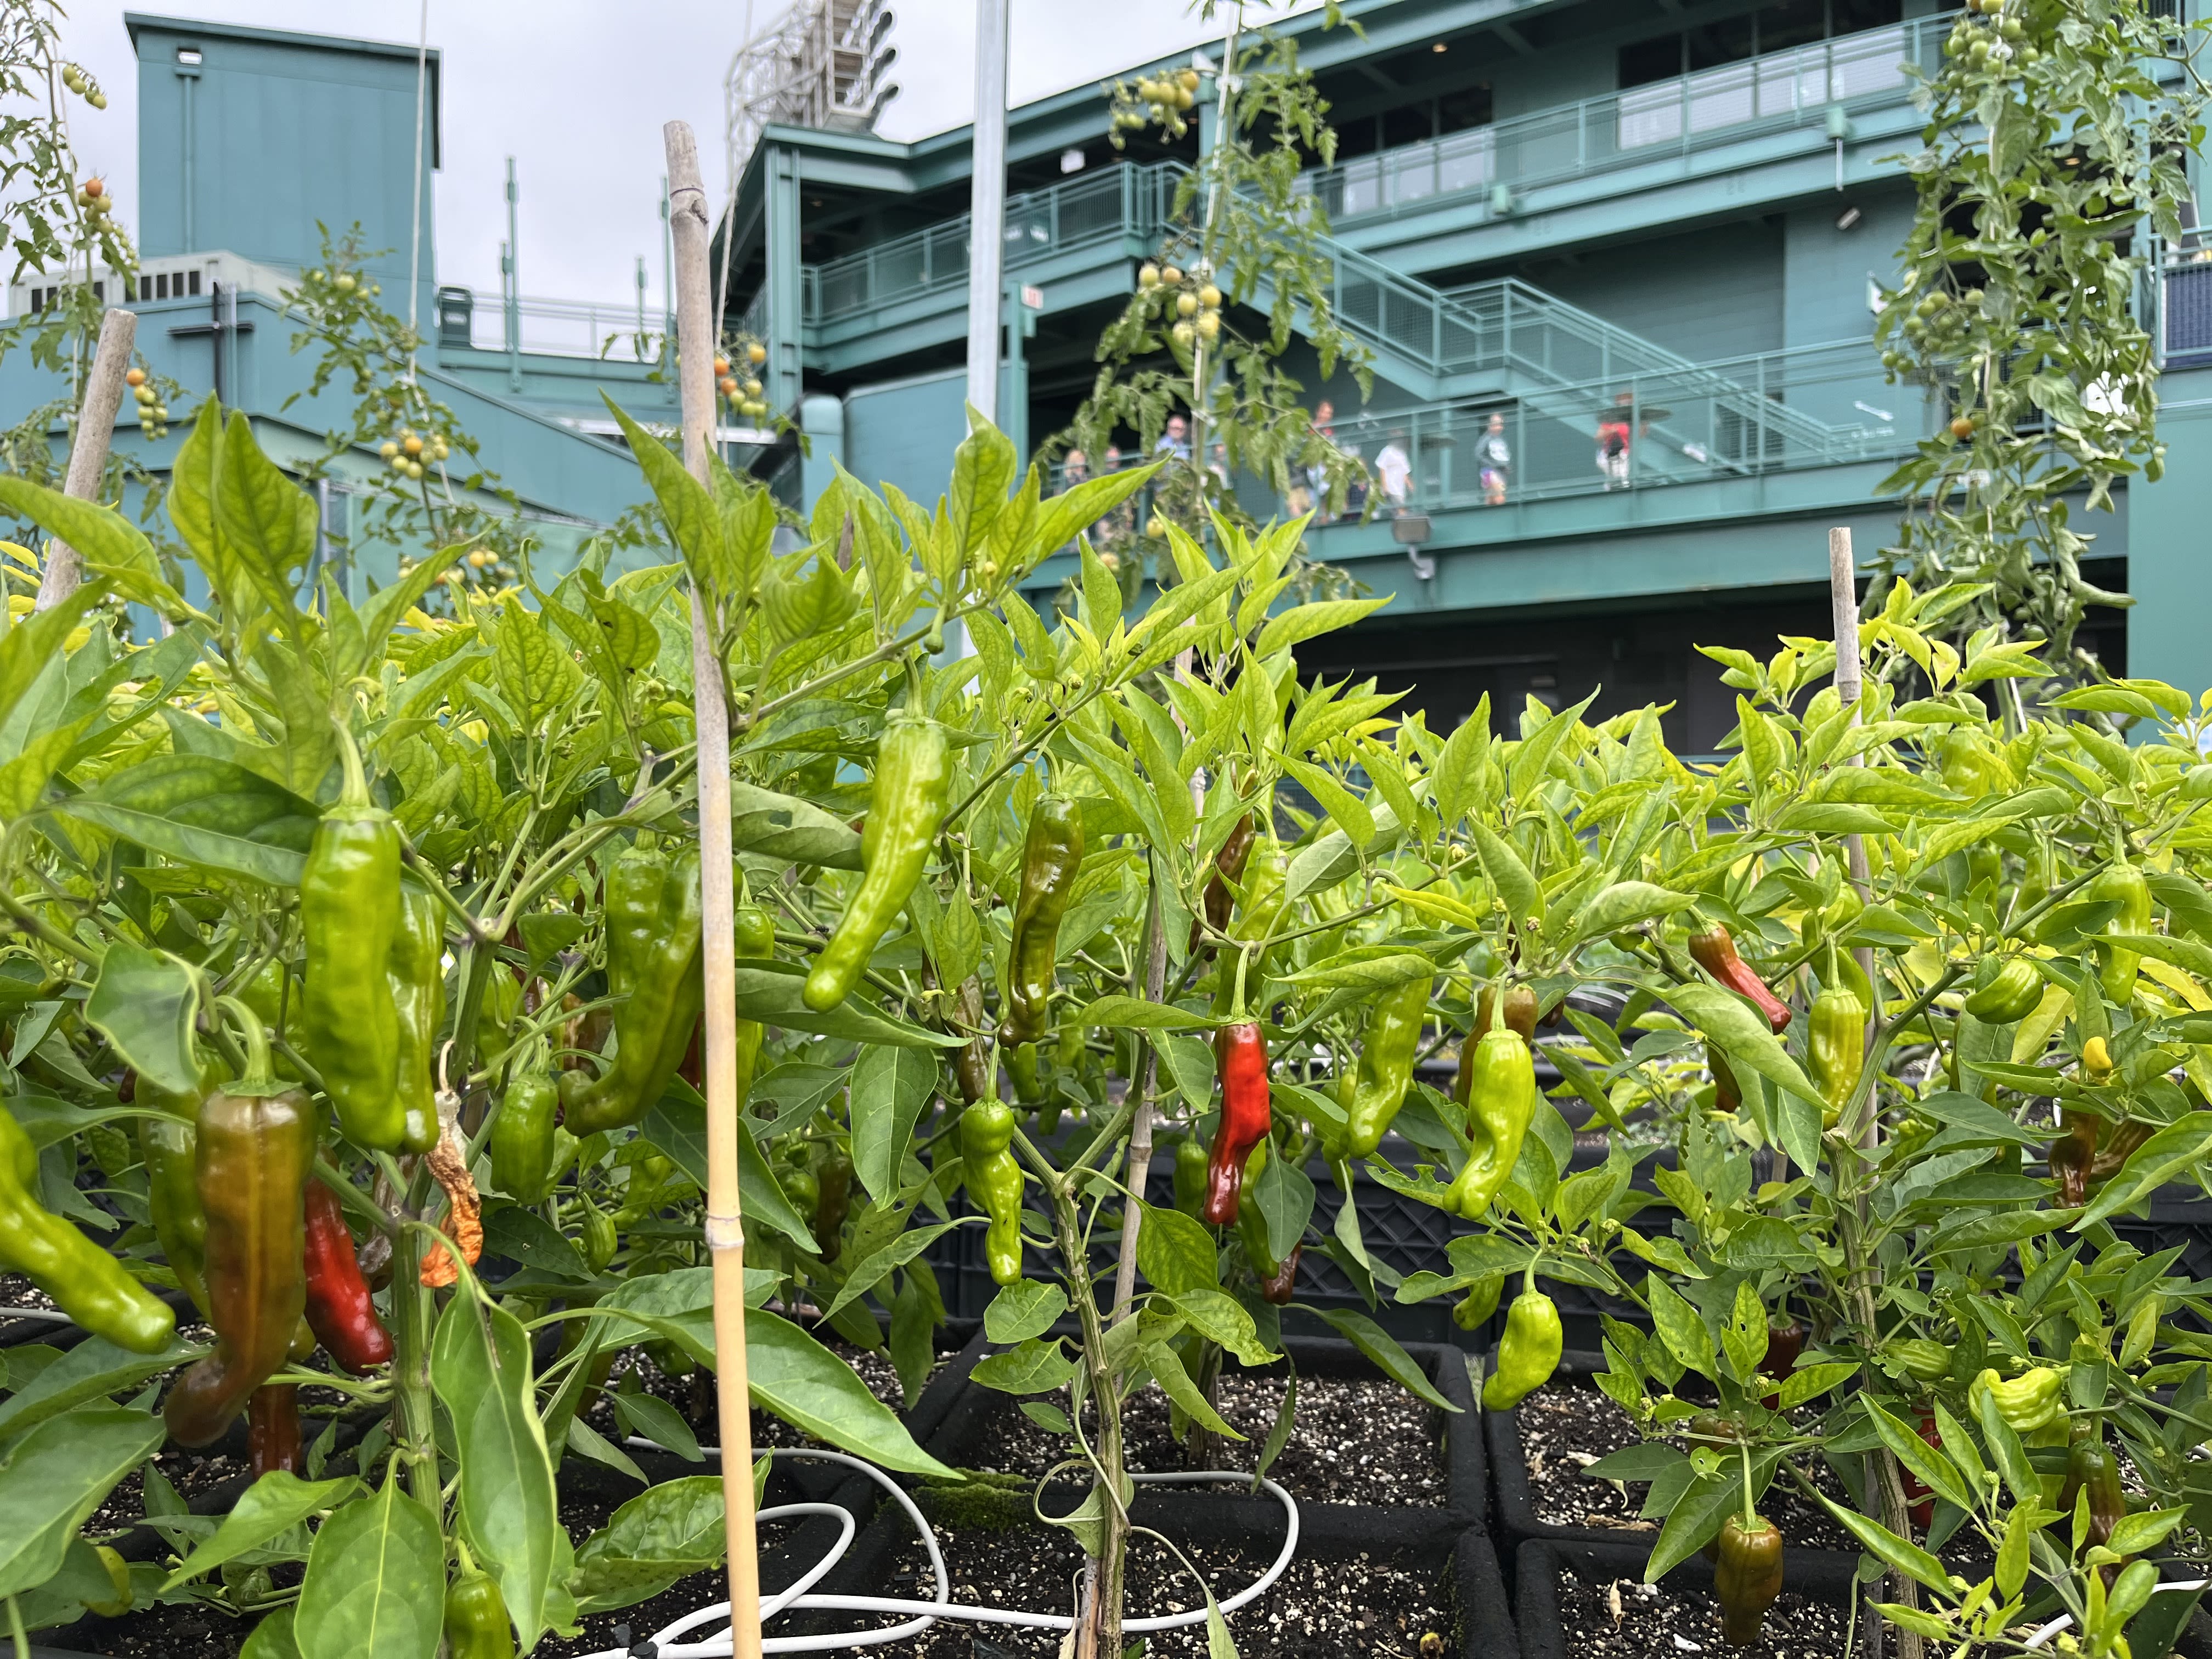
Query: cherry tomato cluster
{"x": 1159, "y": 101}
{"x": 1192, "y": 297}
{"x": 79, "y": 82}
{"x": 2000, "y": 37}
{"x": 153, "y": 413}
{"x": 744, "y": 390}
{"x": 411, "y": 453}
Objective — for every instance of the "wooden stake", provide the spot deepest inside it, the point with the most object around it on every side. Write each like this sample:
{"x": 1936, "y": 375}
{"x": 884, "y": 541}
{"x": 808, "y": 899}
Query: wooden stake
{"x": 696, "y": 334}
{"x": 95, "y": 426}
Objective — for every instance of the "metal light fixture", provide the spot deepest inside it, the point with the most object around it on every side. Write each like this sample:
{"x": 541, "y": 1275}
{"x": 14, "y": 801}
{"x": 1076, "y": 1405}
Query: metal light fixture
{"x": 1849, "y": 218}
{"x": 1072, "y": 161}
{"x": 1411, "y": 530}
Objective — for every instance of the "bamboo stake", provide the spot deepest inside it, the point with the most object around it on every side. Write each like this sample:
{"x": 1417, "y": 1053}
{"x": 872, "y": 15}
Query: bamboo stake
{"x": 1844, "y": 612}
{"x": 696, "y": 333}
{"x": 95, "y": 426}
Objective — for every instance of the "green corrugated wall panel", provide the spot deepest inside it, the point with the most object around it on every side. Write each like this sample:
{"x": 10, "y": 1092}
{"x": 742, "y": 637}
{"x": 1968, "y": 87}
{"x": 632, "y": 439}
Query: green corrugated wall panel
{"x": 904, "y": 433}
{"x": 1707, "y": 294}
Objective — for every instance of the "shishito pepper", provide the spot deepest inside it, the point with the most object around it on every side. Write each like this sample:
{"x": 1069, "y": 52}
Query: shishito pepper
{"x": 1375, "y": 1089}
{"x": 662, "y": 984}
{"x": 1277, "y": 1277}
{"x": 84, "y": 1280}
{"x": 1746, "y": 1575}
{"x": 257, "y": 1145}
{"x": 753, "y": 937}
{"x": 168, "y": 1145}
{"x": 1520, "y": 1016}
{"x": 1220, "y": 899}
{"x": 2027, "y": 1402}
{"x": 1472, "y": 1311}
{"x": 2091, "y": 1468}
{"x": 906, "y": 806}
{"x": 417, "y": 971}
{"x": 1247, "y": 1111}
{"x": 272, "y": 1430}
{"x": 476, "y": 1622}
{"x": 1190, "y": 1175}
{"x": 522, "y": 1137}
{"x": 1255, "y": 919}
{"x": 1501, "y": 1099}
{"x": 833, "y": 1199}
{"x": 2127, "y": 886}
{"x": 2071, "y": 1157}
{"x": 1051, "y": 853}
{"x": 1921, "y": 1356}
{"x": 994, "y": 1182}
{"x": 2010, "y": 996}
{"x": 1529, "y": 1353}
{"x": 1714, "y": 951}
{"x": 349, "y": 908}
{"x": 338, "y": 1307}
{"x": 1835, "y": 1045}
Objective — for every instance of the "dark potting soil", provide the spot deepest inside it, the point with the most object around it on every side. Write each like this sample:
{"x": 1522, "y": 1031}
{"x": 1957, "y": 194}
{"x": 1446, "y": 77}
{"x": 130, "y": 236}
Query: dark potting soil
{"x": 1370, "y": 1604}
{"x": 1566, "y": 1428}
{"x": 1353, "y": 1441}
{"x": 1626, "y": 1619}
{"x": 17, "y": 1292}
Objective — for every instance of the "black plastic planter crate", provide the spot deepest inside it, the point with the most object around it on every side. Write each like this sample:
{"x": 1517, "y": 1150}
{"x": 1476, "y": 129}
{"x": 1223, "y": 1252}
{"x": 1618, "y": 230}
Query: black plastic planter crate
{"x": 1824, "y": 1575}
{"x": 961, "y": 1434}
{"x": 1485, "y": 1629}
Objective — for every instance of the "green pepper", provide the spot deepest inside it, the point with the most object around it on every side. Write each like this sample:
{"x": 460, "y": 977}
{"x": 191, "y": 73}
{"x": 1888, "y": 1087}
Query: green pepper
{"x": 662, "y": 991}
{"x": 1835, "y": 1044}
{"x": 906, "y": 806}
{"x": 2128, "y": 886}
{"x": 754, "y": 937}
{"x": 1372, "y": 1092}
{"x": 1927, "y": 1360}
{"x": 833, "y": 1202}
{"x": 2027, "y": 1402}
{"x": 349, "y": 907}
{"x": 1967, "y": 764}
{"x": 2010, "y": 997}
{"x": 256, "y": 1146}
{"x": 994, "y": 1182}
{"x": 476, "y": 1623}
{"x": 1746, "y": 1576}
{"x": 1520, "y": 1016}
{"x": 84, "y": 1280}
{"x": 522, "y": 1138}
{"x": 1529, "y": 1353}
{"x": 1262, "y": 906}
{"x": 416, "y": 970}
{"x": 1277, "y": 1276}
{"x": 1472, "y": 1311}
{"x": 803, "y": 1187}
{"x": 1190, "y": 1175}
{"x": 1052, "y": 852}
{"x": 597, "y": 1235}
{"x": 1501, "y": 1100}
{"x": 2091, "y": 1468}
{"x": 168, "y": 1145}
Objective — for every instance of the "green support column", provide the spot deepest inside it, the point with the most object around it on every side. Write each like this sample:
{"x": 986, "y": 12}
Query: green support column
{"x": 2168, "y": 638}
{"x": 821, "y": 418}
{"x": 786, "y": 301}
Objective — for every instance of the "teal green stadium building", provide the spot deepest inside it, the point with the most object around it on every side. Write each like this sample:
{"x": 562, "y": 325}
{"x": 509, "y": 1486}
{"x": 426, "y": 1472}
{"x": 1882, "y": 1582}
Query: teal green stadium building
{"x": 1547, "y": 217}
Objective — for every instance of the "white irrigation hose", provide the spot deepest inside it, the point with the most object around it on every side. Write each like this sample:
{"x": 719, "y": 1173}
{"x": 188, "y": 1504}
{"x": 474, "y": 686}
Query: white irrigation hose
{"x": 926, "y": 1613}
{"x": 2065, "y": 1620}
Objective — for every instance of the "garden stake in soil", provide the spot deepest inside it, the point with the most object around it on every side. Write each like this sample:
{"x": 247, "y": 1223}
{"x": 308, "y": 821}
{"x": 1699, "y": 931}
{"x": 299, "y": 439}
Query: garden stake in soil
{"x": 725, "y": 1221}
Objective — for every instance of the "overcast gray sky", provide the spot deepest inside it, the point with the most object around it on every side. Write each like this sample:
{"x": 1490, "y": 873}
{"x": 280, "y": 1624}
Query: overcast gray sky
{"x": 576, "y": 91}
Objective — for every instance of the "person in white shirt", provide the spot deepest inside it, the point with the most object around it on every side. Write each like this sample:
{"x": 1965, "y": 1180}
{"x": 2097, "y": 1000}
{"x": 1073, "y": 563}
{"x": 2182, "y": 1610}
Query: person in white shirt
{"x": 1493, "y": 457}
{"x": 1394, "y": 471}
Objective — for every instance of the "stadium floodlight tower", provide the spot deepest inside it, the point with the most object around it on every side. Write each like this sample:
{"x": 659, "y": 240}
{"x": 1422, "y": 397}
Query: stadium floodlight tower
{"x": 824, "y": 64}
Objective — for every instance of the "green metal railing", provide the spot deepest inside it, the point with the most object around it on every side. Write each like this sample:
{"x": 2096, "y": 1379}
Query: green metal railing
{"x": 1076, "y": 213}
{"x": 1715, "y": 107}
{"x": 1808, "y": 406}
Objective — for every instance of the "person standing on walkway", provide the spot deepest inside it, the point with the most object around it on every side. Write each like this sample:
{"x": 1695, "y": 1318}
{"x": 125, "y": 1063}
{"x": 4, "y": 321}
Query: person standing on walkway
{"x": 1493, "y": 460}
{"x": 1614, "y": 433}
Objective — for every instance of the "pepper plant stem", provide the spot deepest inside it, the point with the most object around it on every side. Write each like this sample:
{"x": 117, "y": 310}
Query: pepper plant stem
{"x": 1140, "y": 1132}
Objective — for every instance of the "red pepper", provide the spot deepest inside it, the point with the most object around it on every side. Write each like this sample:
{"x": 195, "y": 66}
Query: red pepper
{"x": 1715, "y": 951}
{"x": 1245, "y": 1115}
{"x": 338, "y": 1307}
{"x": 1920, "y": 1503}
{"x": 1278, "y": 1286}
{"x": 272, "y": 1429}
{"x": 1784, "y": 1342}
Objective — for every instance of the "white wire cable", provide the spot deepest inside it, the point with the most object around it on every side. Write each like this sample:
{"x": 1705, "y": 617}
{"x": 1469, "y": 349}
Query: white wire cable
{"x": 927, "y": 1614}
{"x": 2066, "y": 1619}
